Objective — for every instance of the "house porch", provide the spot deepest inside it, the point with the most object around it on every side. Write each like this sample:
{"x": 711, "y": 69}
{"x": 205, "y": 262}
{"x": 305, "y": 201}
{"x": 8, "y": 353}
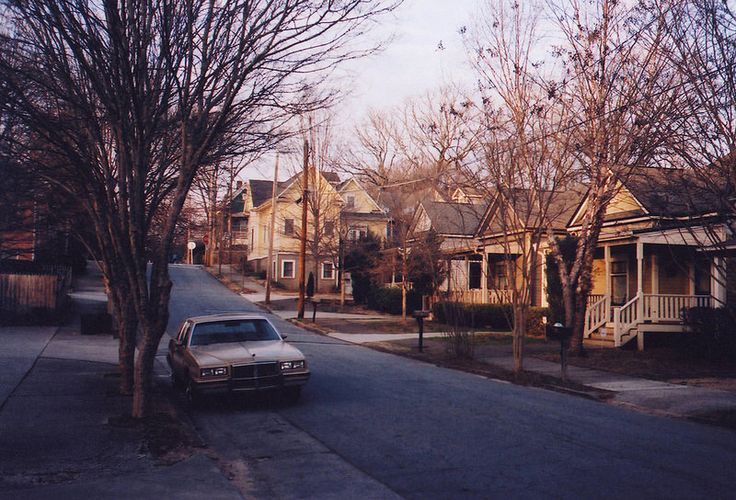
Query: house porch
{"x": 644, "y": 285}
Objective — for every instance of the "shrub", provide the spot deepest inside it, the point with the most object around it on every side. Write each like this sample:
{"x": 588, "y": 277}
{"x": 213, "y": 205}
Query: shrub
{"x": 535, "y": 326}
{"x": 713, "y": 331}
{"x": 493, "y": 316}
{"x": 388, "y": 300}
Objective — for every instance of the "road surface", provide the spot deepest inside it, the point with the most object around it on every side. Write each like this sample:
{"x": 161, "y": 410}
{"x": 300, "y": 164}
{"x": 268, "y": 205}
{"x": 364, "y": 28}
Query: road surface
{"x": 374, "y": 425}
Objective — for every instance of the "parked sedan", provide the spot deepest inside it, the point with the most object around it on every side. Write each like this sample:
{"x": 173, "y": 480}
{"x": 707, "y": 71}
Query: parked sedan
{"x": 233, "y": 353}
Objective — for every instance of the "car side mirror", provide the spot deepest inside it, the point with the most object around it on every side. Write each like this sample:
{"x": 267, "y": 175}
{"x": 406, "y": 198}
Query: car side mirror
{"x": 284, "y": 336}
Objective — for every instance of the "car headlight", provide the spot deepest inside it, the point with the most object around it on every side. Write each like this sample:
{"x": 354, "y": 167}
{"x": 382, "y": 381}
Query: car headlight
{"x": 213, "y": 372}
{"x": 293, "y": 365}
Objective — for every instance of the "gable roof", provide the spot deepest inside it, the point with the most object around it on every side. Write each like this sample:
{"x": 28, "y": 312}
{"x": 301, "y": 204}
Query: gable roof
{"x": 676, "y": 192}
{"x": 525, "y": 211}
{"x": 260, "y": 191}
{"x": 451, "y": 218}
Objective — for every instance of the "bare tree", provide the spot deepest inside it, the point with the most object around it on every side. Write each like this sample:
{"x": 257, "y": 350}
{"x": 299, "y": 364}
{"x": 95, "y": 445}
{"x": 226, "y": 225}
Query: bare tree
{"x": 613, "y": 82}
{"x": 135, "y": 97}
{"x": 518, "y": 168}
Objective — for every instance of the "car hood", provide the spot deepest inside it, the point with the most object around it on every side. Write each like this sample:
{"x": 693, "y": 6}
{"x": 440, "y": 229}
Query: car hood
{"x": 244, "y": 352}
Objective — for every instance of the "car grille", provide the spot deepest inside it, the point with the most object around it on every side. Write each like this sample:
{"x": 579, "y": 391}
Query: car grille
{"x": 255, "y": 370}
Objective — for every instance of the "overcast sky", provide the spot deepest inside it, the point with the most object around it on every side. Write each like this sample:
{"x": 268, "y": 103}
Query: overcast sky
{"x": 410, "y": 64}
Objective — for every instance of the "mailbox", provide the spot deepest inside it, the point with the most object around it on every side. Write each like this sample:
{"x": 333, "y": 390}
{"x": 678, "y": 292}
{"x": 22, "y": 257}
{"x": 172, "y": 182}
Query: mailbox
{"x": 558, "y": 332}
{"x": 419, "y": 316}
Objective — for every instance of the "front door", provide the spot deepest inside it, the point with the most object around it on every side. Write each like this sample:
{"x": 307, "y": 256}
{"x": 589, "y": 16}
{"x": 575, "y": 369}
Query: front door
{"x": 619, "y": 283}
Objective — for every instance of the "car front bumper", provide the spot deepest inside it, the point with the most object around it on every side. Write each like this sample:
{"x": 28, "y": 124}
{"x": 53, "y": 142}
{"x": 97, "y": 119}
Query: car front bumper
{"x": 254, "y": 384}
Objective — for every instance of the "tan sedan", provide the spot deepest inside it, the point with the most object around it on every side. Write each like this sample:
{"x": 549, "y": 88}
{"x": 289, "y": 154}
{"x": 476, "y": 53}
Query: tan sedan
{"x": 231, "y": 353}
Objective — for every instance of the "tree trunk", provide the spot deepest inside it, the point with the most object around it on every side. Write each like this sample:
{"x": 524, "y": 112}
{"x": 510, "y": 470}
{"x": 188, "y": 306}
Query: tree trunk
{"x": 520, "y": 314}
{"x": 128, "y": 331}
{"x": 143, "y": 393}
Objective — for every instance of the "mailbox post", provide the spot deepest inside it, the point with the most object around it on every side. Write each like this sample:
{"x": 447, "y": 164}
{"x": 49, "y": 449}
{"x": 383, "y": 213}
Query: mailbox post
{"x": 419, "y": 316}
{"x": 315, "y": 303}
{"x": 560, "y": 332}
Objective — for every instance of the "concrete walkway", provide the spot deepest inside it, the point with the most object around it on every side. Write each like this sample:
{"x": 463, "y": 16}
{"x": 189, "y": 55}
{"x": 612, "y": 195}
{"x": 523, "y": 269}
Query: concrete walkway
{"x": 58, "y": 405}
{"x": 647, "y": 395}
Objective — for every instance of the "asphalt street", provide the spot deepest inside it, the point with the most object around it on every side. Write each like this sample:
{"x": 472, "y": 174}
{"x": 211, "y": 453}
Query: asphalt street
{"x": 374, "y": 425}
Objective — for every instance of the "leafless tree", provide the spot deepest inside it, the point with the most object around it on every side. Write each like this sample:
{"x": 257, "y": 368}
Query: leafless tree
{"x": 133, "y": 98}
{"x": 613, "y": 82}
{"x": 518, "y": 163}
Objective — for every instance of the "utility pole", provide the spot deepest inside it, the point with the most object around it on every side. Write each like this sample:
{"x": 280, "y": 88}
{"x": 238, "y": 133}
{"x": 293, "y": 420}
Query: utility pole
{"x": 269, "y": 269}
{"x": 303, "y": 243}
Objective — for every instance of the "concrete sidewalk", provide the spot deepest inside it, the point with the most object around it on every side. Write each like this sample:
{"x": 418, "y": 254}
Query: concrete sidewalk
{"x": 61, "y": 431}
{"x": 646, "y": 395}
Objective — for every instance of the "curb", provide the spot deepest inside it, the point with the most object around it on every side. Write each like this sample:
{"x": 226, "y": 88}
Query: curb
{"x": 309, "y": 326}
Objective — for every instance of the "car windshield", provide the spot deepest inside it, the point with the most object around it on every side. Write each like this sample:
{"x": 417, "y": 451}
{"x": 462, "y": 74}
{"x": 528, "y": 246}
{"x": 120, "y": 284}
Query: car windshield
{"x": 241, "y": 330}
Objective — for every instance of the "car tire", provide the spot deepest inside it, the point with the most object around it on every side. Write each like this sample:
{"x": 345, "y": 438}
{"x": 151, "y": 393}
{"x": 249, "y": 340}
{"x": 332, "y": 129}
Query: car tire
{"x": 292, "y": 394}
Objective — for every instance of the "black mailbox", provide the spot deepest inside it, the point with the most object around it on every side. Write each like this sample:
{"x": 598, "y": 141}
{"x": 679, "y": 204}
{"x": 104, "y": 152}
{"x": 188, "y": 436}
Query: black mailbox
{"x": 558, "y": 332}
{"x": 419, "y": 316}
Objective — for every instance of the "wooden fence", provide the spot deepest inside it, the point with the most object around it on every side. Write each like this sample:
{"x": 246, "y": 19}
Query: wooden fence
{"x": 42, "y": 290}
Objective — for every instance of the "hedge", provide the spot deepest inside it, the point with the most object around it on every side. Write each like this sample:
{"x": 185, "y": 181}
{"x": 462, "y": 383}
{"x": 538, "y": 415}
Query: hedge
{"x": 493, "y": 316}
{"x": 712, "y": 331}
{"x": 389, "y": 300}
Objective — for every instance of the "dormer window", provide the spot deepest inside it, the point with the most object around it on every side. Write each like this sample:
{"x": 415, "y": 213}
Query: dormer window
{"x": 350, "y": 201}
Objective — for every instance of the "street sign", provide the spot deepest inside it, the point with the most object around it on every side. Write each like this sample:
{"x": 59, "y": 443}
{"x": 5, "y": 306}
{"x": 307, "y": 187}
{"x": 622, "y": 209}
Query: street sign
{"x": 191, "y": 245}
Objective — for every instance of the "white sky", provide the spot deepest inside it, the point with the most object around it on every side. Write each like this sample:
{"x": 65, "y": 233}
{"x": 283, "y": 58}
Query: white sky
{"x": 410, "y": 64}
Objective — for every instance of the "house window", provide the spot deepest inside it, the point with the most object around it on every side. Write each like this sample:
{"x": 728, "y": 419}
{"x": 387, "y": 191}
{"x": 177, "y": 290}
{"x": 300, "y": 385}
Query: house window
{"x": 329, "y": 228}
{"x": 288, "y": 226}
{"x": 328, "y": 271}
{"x": 350, "y": 201}
{"x": 357, "y": 232}
{"x": 500, "y": 275}
{"x": 619, "y": 282}
{"x": 287, "y": 268}
{"x": 474, "y": 274}
{"x": 702, "y": 276}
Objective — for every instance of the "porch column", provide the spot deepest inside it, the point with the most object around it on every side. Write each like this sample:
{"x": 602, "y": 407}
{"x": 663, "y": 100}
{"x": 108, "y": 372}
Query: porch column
{"x": 484, "y": 277}
{"x": 607, "y": 256}
{"x": 640, "y": 279}
{"x": 543, "y": 284}
{"x": 654, "y": 304}
{"x": 718, "y": 281}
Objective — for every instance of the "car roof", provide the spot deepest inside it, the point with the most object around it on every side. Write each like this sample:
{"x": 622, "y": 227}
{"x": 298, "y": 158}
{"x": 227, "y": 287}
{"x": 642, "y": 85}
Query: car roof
{"x": 230, "y": 316}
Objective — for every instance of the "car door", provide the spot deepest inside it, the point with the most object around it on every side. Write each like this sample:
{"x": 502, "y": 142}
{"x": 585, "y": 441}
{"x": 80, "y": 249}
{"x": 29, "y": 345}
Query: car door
{"x": 177, "y": 350}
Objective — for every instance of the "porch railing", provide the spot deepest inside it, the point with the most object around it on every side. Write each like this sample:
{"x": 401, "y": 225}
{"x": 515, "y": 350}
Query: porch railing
{"x": 597, "y": 313}
{"x": 661, "y": 307}
{"x": 479, "y": 296}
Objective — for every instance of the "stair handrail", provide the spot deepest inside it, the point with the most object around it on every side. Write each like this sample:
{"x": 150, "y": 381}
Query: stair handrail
{"x": 624, "y": 319}
{"x": 596, "y": 315}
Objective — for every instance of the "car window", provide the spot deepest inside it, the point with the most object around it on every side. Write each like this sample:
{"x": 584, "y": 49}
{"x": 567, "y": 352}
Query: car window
{"x": 243, "y": 330}
{"x": 182, "y": 331}
{"x": 187, "y": 333}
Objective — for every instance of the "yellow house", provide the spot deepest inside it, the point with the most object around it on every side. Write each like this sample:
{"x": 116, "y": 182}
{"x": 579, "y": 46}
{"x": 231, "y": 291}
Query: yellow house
{"x": 652, "y": 260}
{"x": 335, "y": 211}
